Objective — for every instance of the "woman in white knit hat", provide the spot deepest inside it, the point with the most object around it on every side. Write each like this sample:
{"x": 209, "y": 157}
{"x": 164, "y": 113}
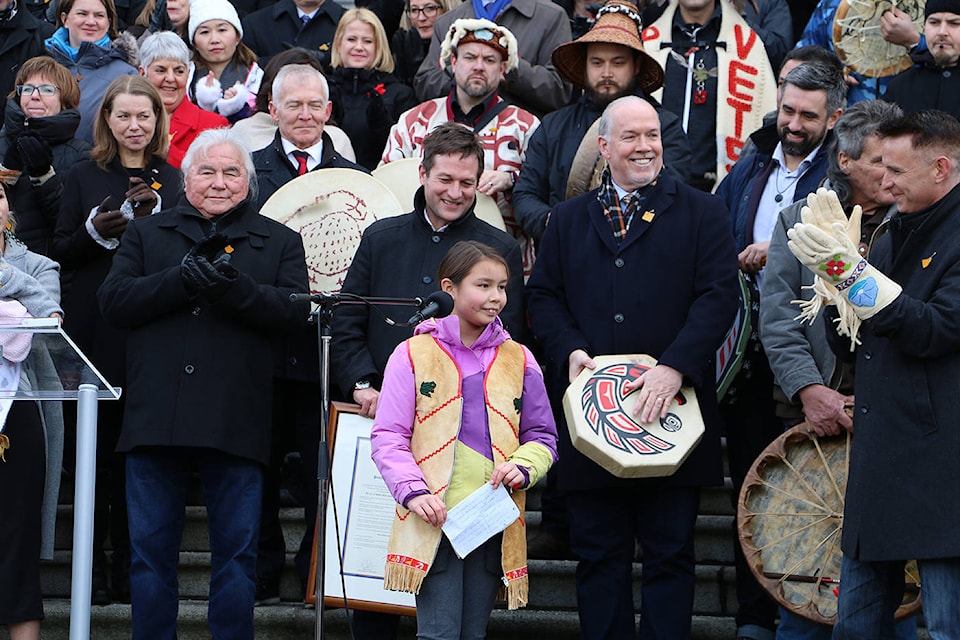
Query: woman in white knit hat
{"x": 224, "y": 75}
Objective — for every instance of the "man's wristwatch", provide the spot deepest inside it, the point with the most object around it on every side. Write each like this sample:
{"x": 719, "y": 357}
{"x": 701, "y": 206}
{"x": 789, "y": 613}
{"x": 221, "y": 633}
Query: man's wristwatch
{"x": 360, "y": 385}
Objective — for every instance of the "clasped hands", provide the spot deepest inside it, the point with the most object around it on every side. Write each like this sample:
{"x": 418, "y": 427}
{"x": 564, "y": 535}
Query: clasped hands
{"x": 206, "y": 271}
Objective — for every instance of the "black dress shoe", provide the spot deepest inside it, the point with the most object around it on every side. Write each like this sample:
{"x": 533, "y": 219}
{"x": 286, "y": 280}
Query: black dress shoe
{"x": 100, "y": 591}
{"x": 120, "y": 578}
{"x": 547, "y": 546}
{"x": 268, "y": 592}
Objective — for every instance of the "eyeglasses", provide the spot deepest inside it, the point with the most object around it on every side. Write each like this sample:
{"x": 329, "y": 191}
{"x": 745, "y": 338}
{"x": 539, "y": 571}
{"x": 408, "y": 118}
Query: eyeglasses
{"x": 429, "y": 11}
{"x": 44, "y": 89}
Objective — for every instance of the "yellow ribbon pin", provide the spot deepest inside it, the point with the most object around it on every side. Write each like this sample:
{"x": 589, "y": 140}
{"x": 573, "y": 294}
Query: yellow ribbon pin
{"x": 926, "y": 261}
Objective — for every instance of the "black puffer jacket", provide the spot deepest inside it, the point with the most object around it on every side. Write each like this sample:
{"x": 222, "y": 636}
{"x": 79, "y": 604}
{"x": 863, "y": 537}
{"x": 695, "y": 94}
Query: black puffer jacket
{"x": 365, "y": 105}
{"x": 37, "y": 206}
{"x": 21, "y": 38}
{"x": 409, "y": 50}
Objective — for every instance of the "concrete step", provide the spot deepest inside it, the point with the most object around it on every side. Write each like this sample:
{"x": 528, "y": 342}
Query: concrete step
{"x": 286, "y": 621}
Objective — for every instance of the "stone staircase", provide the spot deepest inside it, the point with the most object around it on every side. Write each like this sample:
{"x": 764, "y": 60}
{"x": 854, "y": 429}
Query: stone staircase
{"x": 551, "y": 613}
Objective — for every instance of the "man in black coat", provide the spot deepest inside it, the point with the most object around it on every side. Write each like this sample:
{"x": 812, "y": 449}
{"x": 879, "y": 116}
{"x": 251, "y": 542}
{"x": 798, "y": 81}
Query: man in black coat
{"x": 935, "y": 82}
{"x": 608, "y": 62}
{"x": 293, "y": 23}
{"x": 21, "y": 38}
{"x": 399, "y": 257}
{"x": 301, "y": 107}
{"x": 902, "y": 500}
{"x": 203, "y": 290}
{"x": 641, "y": 265}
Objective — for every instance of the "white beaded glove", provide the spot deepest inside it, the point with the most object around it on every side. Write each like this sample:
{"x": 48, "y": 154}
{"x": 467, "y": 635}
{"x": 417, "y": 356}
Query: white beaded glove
{"x": 208, "y": 95}
{"x": 834, "y": 258}
{"x": 229, "y": 106}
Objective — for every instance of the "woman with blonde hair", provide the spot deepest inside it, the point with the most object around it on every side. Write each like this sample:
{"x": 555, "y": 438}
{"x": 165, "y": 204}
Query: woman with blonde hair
{"x": 126, "y": 177}
{"x": 367, "y": 98}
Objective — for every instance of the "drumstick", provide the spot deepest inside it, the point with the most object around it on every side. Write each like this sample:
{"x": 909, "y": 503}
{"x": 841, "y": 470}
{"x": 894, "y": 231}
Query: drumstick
{"x": 793, "y": 577}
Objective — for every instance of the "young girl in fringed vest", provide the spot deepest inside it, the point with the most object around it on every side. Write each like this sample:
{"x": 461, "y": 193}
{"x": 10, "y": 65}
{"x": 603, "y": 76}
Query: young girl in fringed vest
{"x": 461, "y": 405}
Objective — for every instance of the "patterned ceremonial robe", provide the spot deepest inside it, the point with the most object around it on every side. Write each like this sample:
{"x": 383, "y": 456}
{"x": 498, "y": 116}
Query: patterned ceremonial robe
{"x": 504, "y": 140}
{"x": 746, "y": 88}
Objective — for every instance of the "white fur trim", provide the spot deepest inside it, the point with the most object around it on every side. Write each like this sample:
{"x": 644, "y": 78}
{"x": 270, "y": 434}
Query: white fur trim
{"x": 463, "y": 26}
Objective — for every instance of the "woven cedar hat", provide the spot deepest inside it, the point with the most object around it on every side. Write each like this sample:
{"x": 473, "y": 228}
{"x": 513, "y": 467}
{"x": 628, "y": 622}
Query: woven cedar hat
{"x": 617, "y": 23}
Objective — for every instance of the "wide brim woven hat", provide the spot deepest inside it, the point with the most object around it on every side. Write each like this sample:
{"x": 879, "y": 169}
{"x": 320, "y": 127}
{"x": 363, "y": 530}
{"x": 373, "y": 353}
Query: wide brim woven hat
{"x": 617, "y": 23}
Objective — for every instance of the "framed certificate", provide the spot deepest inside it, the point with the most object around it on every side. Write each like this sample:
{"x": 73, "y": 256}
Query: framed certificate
{"x": 360, "y": 513}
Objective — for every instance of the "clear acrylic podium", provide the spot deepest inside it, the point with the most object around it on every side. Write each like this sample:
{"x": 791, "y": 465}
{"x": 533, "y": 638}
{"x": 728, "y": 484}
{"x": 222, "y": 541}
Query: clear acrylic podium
{"x": 68, "y": 375}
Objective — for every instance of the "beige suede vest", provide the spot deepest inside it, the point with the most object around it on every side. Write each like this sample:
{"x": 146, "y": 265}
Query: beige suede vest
{"x": 413, "y": 543}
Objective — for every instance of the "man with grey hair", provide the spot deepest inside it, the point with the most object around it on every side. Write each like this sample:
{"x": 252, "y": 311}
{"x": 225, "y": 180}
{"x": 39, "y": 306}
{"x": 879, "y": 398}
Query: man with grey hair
{"x": 203, "y": 289}
{"x": 589, "y": 295}
{"x": 789, "y": 167}
{"x": 301, "y": 107}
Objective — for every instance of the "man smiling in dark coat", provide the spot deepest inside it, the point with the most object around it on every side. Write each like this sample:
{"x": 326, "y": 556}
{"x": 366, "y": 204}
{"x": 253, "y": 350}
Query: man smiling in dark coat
{"x": 203, "y": 290}
{"x": 902, "y": 500}
{"x": 642, "y": 265}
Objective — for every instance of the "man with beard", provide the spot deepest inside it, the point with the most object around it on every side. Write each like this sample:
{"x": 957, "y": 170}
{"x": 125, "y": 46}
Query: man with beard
{"x": 755, "y": 191}
{"x": 481, "y": 54}
{"x": 935, "y": 82}
{"x": 608, "y": 62}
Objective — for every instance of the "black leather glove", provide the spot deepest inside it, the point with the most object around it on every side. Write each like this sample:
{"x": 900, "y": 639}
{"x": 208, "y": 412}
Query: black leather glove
{"x": 35, "y": 153}
{"x": 199, "y": 275}
{"x": 109, "y": 222}
{"x": 210, "y": 247}
{"x": 11, "y": 159}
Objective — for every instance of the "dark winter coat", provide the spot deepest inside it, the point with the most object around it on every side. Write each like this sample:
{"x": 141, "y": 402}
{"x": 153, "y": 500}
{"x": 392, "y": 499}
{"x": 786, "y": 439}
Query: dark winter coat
{"x": 274, "y": 169}
{"x": 902, "y": 498}
{"x": 84, "y": 263}
{"x": 278, "y": 27}
{"x": 409, "y": 50}
{"x": 741, "y": 189}
{"x": 21, "y": 38}
{"x": 543, "y": 179}
{"x": 399, "y": 257}
{"x": 200, "y": 374}
{"x": 37, "y": 206}
{"x": 299, "y": 355}
{"x": 365, "y": 105}
{"x": 926, "y": 86}
{"x": 669, "y": 291}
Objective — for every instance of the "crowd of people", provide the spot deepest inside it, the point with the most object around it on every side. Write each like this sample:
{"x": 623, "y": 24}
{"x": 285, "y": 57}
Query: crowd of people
{"x": 650, "y": 164}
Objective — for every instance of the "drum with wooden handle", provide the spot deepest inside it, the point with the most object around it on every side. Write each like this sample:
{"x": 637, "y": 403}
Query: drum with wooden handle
{"x": 790, "y": 518}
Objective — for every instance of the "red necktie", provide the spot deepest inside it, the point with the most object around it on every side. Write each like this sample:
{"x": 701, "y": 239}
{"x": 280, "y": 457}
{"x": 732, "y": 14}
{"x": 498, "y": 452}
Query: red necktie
{"x": 301, "y": 157}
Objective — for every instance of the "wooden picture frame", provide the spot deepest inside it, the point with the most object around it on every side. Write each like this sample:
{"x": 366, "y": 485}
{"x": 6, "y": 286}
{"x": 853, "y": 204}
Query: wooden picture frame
{"x": 358, "y": 529}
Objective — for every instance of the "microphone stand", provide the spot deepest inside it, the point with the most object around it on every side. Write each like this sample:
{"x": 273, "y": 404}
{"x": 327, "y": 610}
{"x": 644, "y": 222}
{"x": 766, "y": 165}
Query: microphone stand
{"x": 324, "y": 318}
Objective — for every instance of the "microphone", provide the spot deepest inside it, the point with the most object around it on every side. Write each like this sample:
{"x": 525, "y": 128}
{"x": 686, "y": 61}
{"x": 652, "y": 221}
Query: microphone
{"x": 438, "y": 304}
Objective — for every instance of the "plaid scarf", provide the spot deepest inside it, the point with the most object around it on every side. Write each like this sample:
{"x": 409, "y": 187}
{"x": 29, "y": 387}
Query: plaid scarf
{"x": 619, "y": 212}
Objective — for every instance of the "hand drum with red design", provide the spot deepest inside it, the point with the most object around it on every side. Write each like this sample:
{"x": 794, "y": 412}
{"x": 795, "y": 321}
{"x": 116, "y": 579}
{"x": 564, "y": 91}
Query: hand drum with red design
{"x": 602, "y": 426}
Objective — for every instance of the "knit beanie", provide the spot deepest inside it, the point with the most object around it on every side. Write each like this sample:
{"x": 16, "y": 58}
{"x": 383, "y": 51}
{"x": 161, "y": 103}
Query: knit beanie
{"x": 203, "y": 10}
{"x": 941, "y": 6}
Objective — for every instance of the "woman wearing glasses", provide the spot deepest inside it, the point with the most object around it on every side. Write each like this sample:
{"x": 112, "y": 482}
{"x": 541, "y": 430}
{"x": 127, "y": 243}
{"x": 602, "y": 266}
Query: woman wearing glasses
{"x": 37, "y": 139}
{"x": 412, "y": 41}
